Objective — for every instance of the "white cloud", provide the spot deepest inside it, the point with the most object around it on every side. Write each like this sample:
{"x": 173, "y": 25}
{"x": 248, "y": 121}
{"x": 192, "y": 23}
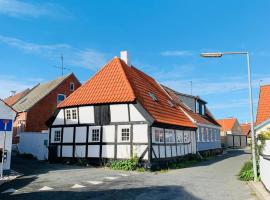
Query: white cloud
{"x": 86, "y": 58}
{"x": 15, "y": 8}
{"x": 177, "y": 53}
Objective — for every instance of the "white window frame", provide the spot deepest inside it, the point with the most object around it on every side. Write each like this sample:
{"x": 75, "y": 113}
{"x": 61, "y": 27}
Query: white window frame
{"x": 95, "y": 134}
{"x": 158, "y": 135}
{"x": 179, "y": 137}
{"x": 169, "y": 136}
{"x": 69, "y": 114}
{"x": 197, "y": 107}
{"x": 59, "y": 101}
{"x": 187, "y": 137}
{"x": 56, "y": 132}
{"x": 127, "y": 136}
{"x": 71, "y": 86}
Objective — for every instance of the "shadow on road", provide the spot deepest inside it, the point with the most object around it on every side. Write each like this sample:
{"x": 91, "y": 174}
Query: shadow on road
{"x": 142, "y": 193}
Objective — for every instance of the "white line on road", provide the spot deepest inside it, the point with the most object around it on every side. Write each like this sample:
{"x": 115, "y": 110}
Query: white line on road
{"x": 111, "y": 177}
{"x": 77, "y": 186}
{"x": 45, "y": 188}
{"x": 95, "y": 182}
{"x": 11, "y": 190}
{"x": 125, "y": 175}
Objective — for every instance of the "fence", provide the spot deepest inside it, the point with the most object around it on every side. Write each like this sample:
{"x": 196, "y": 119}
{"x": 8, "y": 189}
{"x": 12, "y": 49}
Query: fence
{"x": 236, "y": 141}
{"x": 35, "y": 143}
{"x": 265, "y": 165}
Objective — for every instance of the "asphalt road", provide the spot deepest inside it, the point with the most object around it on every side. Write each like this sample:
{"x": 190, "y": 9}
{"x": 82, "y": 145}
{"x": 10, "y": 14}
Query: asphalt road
{"x": 211, "y": 180}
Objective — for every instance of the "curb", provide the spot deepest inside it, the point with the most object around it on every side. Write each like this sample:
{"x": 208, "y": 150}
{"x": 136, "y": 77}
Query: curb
{"x": 258, "y": 188}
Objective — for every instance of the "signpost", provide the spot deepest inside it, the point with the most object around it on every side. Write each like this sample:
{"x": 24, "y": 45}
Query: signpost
{"x": 5, "y": 125}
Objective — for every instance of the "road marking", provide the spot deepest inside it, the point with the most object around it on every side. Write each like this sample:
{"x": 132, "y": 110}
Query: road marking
{"x": 111, "y": 177}
{"x": 77, "y": 186}
{"x": 95, "y": 182}
{"x": 11, "y": 190}
{"x": 45, "y": 188}
{"x": 124, "y": 175}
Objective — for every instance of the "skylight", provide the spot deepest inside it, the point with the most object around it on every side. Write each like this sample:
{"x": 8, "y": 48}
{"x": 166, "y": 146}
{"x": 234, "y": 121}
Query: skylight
{"x": 154, "y": 98}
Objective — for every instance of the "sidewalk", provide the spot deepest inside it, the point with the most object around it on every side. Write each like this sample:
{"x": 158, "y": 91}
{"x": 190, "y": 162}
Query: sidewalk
{"x": 13, "y": 175}
{"x": 259, "y": 189}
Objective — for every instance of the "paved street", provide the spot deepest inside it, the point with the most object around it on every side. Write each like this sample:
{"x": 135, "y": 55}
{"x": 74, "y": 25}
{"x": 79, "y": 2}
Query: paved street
{"x": 215, "y": 179}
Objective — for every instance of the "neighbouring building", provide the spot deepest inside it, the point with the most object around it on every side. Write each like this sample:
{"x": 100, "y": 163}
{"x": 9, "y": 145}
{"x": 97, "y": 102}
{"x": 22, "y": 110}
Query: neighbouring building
{"x": 231, "y": 133}
{"x": 246, "y": 130}
{"x": 6, "y": 113}
{"x": 35, "y": 106}
{"x": 263, "y": 112}
{"x": 120, "y": 113}
{"x": 208, "y": 132}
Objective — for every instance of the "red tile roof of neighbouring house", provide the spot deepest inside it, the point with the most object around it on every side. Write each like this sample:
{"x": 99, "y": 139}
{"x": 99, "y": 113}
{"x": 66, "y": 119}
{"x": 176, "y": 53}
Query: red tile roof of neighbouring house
{"x": 117, "y": 82}
{"x": 227, "y": 124}
{"x": 263, "y": 112}
{"x": 11, "y": 100}
{"x": 245, "y": 128}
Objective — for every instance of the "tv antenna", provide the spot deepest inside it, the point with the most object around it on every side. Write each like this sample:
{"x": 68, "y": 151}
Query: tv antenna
{"x": 191, "y": 87}
{"x": 62, "y": 67}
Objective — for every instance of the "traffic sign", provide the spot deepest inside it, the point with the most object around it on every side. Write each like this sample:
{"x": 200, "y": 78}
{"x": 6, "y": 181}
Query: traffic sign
{"x": 5, "y": 124}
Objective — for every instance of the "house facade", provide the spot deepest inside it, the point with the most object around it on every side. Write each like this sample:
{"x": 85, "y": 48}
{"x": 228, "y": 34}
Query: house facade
{"x": 208, "y": 131}
{"x": 6, "y": 113}
{"x": 37, "y": 105}
{"x": 121, "y": 113}
{"x": 263, "y": 114}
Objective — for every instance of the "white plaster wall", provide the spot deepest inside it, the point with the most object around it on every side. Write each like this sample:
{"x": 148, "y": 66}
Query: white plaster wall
{"x": 90, "y": 132}
{"x": 123, "y": 151}
{"x": 162, "y": 151}
{"x": 68, "y": 134}
{"x": 34, "y": 143}
{"x": 80, "y": 135}
{"x": 179, "y": 153}
{"x": 52, "y": 134}
{"x": 86, "y": 114}
{"x": 108, "y": 133}
{"x": 168, "y": 151}
{"x": 140, "y": 133}
{"x": 265, "y": 172}
{"x": 93, "y": 151}
{"x": 138, "y": 150}
{"x": 80, "y": 151}
{"x": 59, "y": 120}
{"x": 67, "y": 151}
{"x": 135, "y": 115}
{"x": 155, "y": 148}
{"x": 6, "y": 113}
{"x": 119, "y": 112}
{"x": 119, "y": 132}
{"x": 108, "y": 151}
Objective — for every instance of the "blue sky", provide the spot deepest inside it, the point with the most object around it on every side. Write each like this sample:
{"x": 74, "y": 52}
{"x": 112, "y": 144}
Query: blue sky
{"x": 163, "y": 38}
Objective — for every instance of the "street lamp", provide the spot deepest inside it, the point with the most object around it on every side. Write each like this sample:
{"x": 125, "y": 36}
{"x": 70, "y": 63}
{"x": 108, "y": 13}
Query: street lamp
{"x": 220, "y": 54}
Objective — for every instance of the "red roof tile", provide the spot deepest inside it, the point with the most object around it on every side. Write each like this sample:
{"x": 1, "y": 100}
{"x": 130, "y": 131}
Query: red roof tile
{"x": 116, "y": 82}
{"x": 227, "y": 124}
{"x": 263, "y": 112}
{"x": 11, "y": 100}
{"x": 245, "y": 128}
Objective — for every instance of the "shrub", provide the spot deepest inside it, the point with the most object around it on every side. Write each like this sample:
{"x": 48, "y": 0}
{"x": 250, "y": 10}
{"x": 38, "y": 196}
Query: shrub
{"x": 128, "y": 165}
{"x": 246, "y": 173}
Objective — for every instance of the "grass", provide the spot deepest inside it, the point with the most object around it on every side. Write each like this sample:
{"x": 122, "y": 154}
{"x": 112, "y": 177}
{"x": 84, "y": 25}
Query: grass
{"x": 246, "y": 173}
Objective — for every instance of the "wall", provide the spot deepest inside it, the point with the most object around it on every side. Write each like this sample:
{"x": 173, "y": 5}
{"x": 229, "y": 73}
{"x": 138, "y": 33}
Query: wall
{"x": 189, "y": 101}
{"x": 34, "y": 143}
{"x": 208, "y": 138}
{"x": 260, "y": 129}
{"x": 265, "y": 165}
{"x": 21, "y": 117}
{"x": 236, "y": 141}
{"x": 6, "y": 113}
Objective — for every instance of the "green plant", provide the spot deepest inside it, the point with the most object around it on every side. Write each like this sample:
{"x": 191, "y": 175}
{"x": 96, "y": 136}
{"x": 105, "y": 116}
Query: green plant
{"x": 128, "y": 165}
{"x": 262, "y": 137}
{"x": 246, "y": 173}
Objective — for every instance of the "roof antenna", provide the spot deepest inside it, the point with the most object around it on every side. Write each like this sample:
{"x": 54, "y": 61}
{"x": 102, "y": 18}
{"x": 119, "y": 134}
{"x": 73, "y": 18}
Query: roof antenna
{"x": 62, "y": 65}
{"x": 190, "y": 87}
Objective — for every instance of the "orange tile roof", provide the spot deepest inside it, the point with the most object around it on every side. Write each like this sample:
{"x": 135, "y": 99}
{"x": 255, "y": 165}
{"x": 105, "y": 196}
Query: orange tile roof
{"x": 263, "y": 112}
{"x": 11, "y": 100}
{"x": 245, "y": 128}
{"x": 227, "y": 124}
{"x": 116, "y": 82}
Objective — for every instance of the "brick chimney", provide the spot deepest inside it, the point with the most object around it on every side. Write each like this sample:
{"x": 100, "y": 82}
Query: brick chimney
{"x": 124, "y": 57}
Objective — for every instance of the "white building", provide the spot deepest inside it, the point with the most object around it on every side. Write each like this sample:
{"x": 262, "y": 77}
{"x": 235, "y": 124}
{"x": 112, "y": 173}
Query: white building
{"x": 6, "y": 113}
{"x": 120, "y": 113}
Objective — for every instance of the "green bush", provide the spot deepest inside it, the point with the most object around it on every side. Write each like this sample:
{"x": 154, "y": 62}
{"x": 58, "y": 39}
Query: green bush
{"x": 128, "y": 165}
{"x": 246, "y": 173}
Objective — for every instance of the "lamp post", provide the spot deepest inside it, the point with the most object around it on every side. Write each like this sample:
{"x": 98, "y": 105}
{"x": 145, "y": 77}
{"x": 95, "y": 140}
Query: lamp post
{"x": 220, "y": 54}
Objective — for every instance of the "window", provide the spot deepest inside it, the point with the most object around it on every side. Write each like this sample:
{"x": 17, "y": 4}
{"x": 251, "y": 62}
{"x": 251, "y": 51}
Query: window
{"x": 186, "y": 137}
{"x": 125, "y": 134}
{"x": 154, "y": 98}
{"x": 68, "y": 114}
{"x": 60, "y": 98}
{"x": 74, "y": 114}
{"x": 57, "y": 136}
{"x": 197, "y": 107}
{"x": 203, "y": 109}
{"x": 159, "y": 135}
{"x": 71, "y": 86}
{"x": 95, "y": 135}
{"x": 198, "y": 134}
{"x": 179, "y": 136}
{"x": 169, "y": 136}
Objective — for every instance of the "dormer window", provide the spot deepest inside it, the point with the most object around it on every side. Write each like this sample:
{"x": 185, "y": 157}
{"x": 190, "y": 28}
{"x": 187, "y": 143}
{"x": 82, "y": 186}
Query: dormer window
{"x": 154, "y": 98}
{"x": 200, "y": 107}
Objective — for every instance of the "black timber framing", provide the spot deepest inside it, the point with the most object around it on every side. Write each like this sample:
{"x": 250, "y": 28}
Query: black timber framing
{"x": 87, "y": 141}
{"x": 78, "y": 115}
{"x": 74, "y": 142}
{"x": 115, "y": 142}
{"x": 61, "y": 147}
{"x": 100, "y": 143}
{"x": 131, "y": 141}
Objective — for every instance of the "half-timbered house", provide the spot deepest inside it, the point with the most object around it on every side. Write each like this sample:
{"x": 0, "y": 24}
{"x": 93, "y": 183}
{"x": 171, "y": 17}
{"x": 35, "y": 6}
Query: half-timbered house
{"x": 121, "y": 113}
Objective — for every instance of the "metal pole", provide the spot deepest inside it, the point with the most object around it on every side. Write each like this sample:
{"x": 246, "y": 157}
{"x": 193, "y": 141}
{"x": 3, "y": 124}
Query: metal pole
{"x": 3, "y": 153}
{"x": 253, "y": 146}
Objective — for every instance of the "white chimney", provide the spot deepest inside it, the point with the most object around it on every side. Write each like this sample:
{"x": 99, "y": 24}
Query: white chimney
{"x": 124, "y": 57}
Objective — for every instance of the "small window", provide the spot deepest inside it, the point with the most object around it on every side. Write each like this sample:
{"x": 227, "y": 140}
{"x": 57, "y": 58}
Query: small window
{"x": 74, "y": 114}
{"x": 125, "y": 134}
{"x": 203, "y": 109}
{"x": 60, "y": 98}
{"x": 71, "y": 86}
{"x": 154, "y": 98}
{"x": 95, "y": 135}
{"x": 159, "y": 136}
{"x": 57, "y": 136}
{"x": 179, "y": 136}
{"x": 197, "y": 107}
{"x": 169, "y": 136}
{"x": 68, "y": 114}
